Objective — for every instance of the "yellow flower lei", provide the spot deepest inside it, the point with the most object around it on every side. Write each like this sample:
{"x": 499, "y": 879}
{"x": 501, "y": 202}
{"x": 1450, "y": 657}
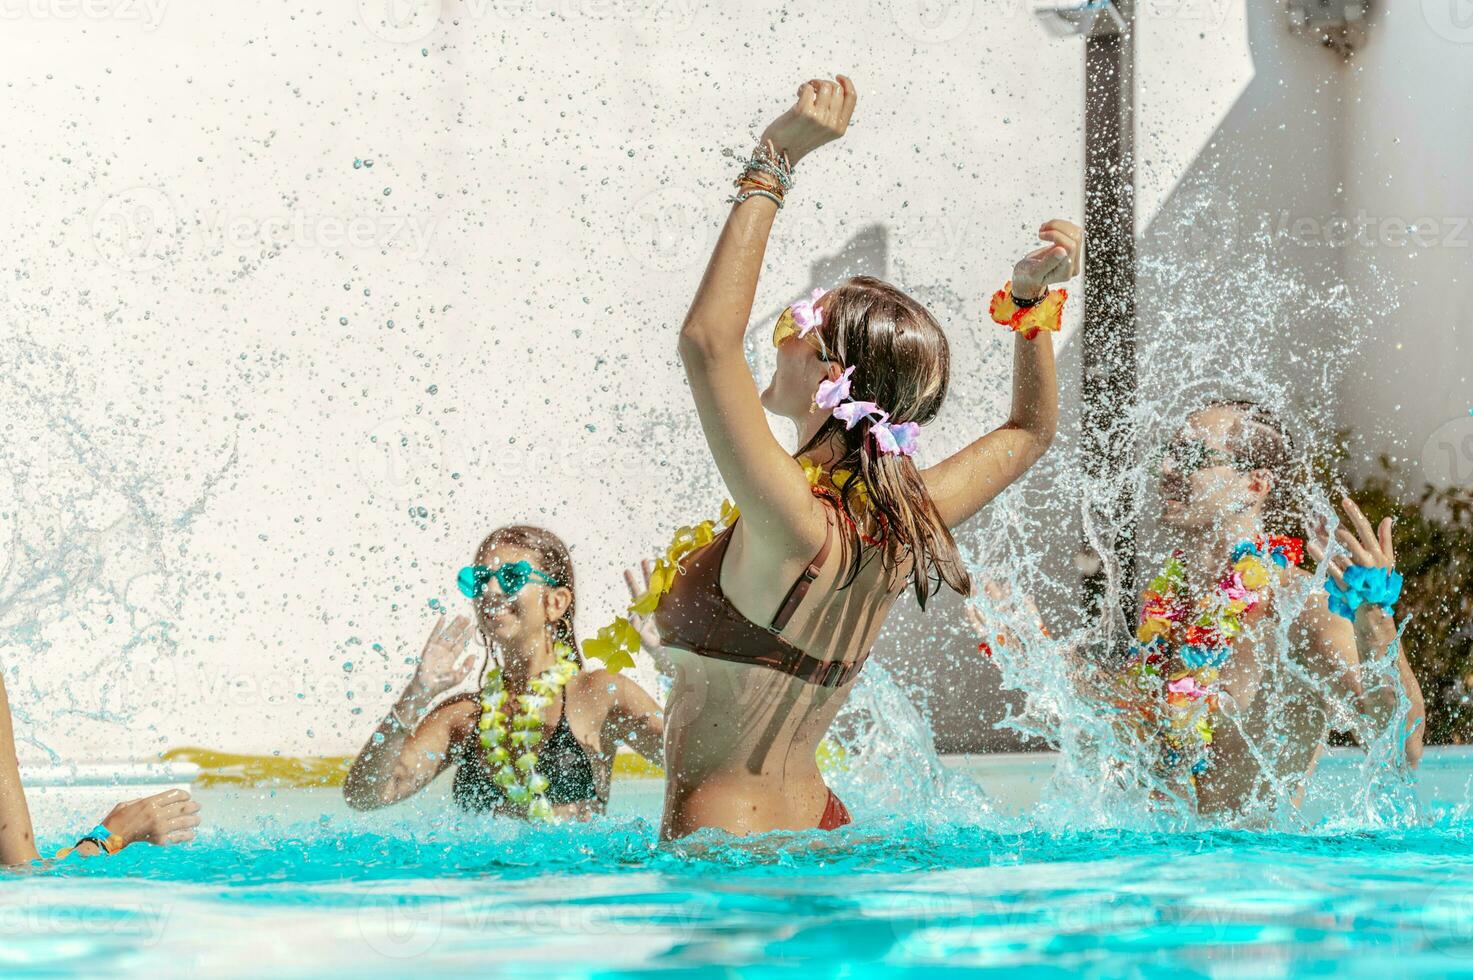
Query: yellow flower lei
{"x": 519, "y": 778}
{"x": 617, "y": 642}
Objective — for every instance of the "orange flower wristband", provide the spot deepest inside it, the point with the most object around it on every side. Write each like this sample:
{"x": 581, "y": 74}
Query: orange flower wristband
{"x": 1046, "y": 315}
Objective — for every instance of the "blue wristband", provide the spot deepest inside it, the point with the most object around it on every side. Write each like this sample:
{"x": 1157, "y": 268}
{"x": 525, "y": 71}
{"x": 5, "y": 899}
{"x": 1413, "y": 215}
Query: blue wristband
{"x": 1378, "y": 586}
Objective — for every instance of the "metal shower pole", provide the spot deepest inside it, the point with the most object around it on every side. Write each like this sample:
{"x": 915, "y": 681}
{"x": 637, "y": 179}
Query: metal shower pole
{"x": 1109, "y": 334}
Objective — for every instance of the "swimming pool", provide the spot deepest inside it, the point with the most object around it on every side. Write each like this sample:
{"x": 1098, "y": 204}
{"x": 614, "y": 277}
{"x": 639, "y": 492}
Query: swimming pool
{"x": 290, "y": 883}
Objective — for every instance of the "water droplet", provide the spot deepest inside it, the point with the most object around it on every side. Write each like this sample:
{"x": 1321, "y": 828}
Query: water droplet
{"x": 343, "y": 320}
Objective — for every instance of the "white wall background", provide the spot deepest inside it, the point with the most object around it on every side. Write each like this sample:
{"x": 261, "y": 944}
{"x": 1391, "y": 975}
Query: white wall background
{"x": 228, "y": 511}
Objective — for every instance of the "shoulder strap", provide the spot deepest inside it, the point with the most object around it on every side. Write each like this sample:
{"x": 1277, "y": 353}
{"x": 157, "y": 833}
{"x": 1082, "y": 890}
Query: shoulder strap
{"x": 800, "y": 588}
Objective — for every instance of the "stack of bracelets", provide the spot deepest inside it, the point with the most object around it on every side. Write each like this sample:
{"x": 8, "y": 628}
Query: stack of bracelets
{"x": 767, "y": 174}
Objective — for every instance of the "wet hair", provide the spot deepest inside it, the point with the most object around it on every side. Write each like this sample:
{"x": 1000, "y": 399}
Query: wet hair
{"x": 902, "y": 362}
{"x": 553, "y": 559}
{"x": 1262, "y": 441}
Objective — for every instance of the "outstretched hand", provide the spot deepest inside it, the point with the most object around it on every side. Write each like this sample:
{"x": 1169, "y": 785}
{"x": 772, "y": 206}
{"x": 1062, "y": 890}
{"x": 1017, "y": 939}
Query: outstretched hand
{"x": 1367, "y": 547}
{"x": 1059, "y": 260}
{"x": 166, "y": 818}
{"x": 1375, "y": 625}
{"x": 821, "y": 115}
{"x": 444, "y": 663}
{"x": 638, "y": 581}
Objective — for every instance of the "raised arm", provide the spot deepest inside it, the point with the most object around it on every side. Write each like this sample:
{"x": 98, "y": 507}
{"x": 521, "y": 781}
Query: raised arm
{"x": 767, "y": 484}
{"x": 635, "y": 719}
{"x": 1364, "y": 642}
{"x": 411, "y": 745}
{"x": 17, "y": 841}
{"x": 166, "y": 818}
{"x": 964, "y": 482}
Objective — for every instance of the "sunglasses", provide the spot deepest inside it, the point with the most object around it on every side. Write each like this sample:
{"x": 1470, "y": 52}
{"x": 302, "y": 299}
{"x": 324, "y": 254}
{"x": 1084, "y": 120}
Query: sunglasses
{"x": 787, "y": 327}
{"x": 1191, "y": 456}
{"x": 512, "y": 577}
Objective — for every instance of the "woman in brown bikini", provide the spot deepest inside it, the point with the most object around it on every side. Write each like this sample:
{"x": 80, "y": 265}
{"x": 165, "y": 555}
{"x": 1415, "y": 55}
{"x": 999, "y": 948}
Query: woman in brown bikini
{"x": 821, "y": 551}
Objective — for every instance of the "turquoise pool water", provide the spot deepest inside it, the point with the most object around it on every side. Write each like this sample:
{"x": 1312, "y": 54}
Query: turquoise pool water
{"x": 285, "y": 889}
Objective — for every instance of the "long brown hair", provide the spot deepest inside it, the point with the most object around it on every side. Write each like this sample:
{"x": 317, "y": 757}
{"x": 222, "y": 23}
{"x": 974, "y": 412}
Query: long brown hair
{"x": 552, "y": 558}
{"x": 902, "y": 362}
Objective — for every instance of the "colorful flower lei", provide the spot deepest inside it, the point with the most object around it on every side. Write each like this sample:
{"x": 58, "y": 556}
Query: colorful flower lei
{"x": 512, "y": 754}
{"x": 1169, "y": 685}
{"x": 616, "y": 643}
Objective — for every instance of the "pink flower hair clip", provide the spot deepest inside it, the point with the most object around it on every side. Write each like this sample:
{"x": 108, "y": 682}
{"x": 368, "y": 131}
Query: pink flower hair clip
{"x": 894, "y": 440}
{"x": 800, "y": 320}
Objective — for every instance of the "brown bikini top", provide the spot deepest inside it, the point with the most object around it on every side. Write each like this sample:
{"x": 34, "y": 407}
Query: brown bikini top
{"x": 696, "y": 615}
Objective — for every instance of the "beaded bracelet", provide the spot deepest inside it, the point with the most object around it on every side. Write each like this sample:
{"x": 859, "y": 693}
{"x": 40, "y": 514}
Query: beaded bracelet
{"x": 747, "y": 195}
{"x": 765, "y": 173}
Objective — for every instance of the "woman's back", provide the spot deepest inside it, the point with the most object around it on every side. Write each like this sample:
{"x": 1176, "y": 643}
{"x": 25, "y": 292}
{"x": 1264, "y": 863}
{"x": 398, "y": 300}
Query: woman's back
{"x": 742, "y": 737}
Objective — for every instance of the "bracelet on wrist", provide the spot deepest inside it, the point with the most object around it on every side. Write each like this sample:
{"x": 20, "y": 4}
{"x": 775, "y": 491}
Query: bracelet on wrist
{"x": 764, "y": 174}
{"x": 743, "y": 196}
{"x": 1029, "y": 317}
{"x": 1376, "y": 586}
{"x": 107, "y": 842}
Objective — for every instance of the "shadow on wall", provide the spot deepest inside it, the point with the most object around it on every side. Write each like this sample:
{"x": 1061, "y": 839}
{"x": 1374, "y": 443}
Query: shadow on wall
{"x": 1208, "y": 254}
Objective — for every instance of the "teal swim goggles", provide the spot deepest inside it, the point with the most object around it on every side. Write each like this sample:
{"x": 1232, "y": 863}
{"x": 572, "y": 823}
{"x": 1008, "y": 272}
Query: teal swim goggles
{"x": 511, "y": 577}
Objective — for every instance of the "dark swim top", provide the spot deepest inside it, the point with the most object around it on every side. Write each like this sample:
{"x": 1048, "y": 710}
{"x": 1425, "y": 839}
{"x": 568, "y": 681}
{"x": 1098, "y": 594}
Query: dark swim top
{"x": 561, "y": 760}
{"x": 696, "y": 615}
